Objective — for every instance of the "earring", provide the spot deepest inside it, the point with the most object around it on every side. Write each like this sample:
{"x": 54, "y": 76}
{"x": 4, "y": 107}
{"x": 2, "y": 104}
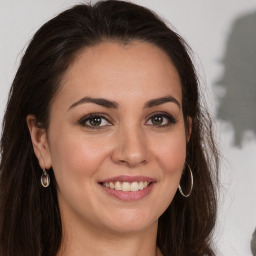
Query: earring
{"x": 45, "y": 179}
{"x": 191, "y": 175}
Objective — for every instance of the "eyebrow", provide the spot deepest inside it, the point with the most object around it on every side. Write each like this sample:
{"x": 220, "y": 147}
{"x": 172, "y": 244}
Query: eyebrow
{"x": 160, "y": 101}
{"x": 112, "y": 104}
{"x": 99, "y": 101}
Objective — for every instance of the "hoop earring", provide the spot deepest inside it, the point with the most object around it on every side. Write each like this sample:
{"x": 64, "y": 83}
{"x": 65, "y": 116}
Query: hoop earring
{"x": 45, "y": 179}
{"x": 191, "y": 176}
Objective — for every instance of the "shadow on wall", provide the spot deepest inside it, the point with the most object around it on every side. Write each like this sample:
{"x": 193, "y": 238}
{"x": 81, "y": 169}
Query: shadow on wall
{"x": 253, "y": 243}
{"x": 237, "y": 105}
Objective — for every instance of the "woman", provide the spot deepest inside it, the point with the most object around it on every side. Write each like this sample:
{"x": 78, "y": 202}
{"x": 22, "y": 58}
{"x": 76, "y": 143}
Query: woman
{"x": 106, "y": 149}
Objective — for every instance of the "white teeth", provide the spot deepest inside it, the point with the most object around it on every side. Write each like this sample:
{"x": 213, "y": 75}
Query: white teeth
{"x": 106, "y": 185}
{"x": 141, "y": 184}
{"x": 134, "y": 186}
{"x": 118, "y": 186}
{"x": 126, "y": 186}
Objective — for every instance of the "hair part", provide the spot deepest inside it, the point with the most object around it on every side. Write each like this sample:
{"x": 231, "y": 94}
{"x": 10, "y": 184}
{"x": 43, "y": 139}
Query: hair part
{"x": 30, "y": 221}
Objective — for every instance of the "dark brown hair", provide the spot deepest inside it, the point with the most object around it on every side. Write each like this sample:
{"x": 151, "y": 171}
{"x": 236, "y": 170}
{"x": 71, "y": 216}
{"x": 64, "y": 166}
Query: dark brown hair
{"x": 30, "y": 221}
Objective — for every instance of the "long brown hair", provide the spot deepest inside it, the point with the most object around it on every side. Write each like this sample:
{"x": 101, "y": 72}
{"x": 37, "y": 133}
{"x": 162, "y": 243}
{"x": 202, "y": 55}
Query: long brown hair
{"x": 30, "y": 221}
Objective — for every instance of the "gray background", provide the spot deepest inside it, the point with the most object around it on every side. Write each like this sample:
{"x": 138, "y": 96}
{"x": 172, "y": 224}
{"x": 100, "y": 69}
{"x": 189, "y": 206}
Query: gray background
{"x": 223, "y": 37}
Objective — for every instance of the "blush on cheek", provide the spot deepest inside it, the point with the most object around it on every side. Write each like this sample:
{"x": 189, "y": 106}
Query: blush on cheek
{"x": 172, "y": 157}
{"x": 83, "y": 158}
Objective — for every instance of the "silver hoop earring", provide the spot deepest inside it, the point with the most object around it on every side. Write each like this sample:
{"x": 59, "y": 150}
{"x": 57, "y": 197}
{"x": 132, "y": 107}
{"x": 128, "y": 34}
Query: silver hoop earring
{"x": 45, "y": 179}
{"x": 191, "y": 176}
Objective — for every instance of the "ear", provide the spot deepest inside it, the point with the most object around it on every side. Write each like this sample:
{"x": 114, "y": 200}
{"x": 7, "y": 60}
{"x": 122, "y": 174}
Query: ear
{"x": 39, "y": 141}
{"x": 189, "y": 129}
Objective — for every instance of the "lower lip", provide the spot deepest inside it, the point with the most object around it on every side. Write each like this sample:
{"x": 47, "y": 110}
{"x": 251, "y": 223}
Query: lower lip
{"x": 129, "y": 195}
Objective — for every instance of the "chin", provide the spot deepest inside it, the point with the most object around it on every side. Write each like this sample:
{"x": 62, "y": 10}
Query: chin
{"x": 131, "y": 221}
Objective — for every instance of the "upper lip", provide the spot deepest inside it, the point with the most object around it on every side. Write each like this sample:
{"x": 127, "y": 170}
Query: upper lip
{"x": 125, "y": 178}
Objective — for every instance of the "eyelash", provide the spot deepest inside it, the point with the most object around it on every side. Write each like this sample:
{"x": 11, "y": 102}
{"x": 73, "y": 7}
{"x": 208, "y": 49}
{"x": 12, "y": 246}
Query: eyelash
{"x": 169, "y": 119}
{"x": 89, "y": 117}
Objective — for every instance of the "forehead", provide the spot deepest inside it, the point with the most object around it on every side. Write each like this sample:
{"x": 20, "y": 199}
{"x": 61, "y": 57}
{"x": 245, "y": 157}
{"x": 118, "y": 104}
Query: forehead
{"x": 109, "y": 68}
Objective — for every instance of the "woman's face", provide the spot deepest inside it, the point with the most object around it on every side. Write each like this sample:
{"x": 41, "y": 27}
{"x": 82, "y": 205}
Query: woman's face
{"x": 116, "y": 139}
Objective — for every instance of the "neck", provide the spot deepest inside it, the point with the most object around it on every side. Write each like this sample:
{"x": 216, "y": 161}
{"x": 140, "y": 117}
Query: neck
{"x": 85, "y": 240}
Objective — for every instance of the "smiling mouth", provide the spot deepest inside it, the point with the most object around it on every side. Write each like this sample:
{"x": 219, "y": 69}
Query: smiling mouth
{"x": 126, "y": 186}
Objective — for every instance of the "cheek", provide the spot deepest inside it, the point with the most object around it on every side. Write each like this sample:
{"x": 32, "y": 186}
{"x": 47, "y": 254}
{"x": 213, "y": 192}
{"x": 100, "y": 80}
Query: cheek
{"x": 75, "y": 156}
{"x": 172, "y": 158}
{"x": 171, "y": 154}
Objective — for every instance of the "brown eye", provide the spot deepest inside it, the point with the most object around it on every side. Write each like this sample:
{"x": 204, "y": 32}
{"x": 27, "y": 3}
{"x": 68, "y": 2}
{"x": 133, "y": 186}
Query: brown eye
{"x": 94, "y": 121}
{"x": 161, "y": 120}
{"x": 157, "y": 120}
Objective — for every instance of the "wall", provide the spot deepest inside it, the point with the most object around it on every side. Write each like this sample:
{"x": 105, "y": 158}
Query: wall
{"x": 223, "y": 37}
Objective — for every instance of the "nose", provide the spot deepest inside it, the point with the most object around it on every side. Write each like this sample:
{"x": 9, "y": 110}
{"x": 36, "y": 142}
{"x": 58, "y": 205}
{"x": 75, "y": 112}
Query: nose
{"x": 131, "y": 148}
